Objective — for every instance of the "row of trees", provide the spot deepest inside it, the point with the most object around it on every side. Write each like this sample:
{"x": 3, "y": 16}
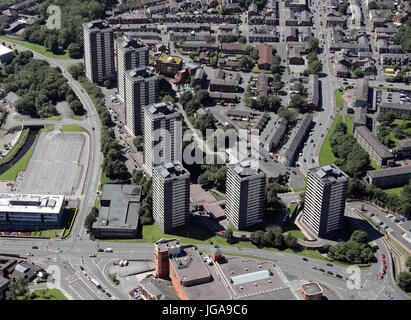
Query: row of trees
{"x": 388, "y": 126}
{"x": 355, "y": 251}
{"x": 314, "y": 65}
{"x": 91, "y": 218}
{"x": 402, "y": 36}
{"x": 113, "y": 165}
{"x": 351, "y": 157}
{"x": 39, "y": 85}
{"x": 273, "y": 238}
{"x": 146, "y": 208}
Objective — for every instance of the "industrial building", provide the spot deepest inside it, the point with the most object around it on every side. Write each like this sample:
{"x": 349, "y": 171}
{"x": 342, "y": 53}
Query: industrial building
{"x": 171, "y": 196}
{"x": 130, "y": 53}
{"x": 118, "y": 213}
{"x": 325, "y": 197}
{"x": 389, "y": 177}
{"x": 6, "y": 54}
{"x": 162, "y": 135}
{"x": 22, "y": 211}
{"x": 245, "y": 194}
{"x": 141, "y": 89}
{"x": 99, "y": 51}
{"x": 213, "y": 276}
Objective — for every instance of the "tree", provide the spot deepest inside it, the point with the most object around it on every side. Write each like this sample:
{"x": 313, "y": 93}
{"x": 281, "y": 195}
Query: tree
{"x": 372, "y": 5}
{"x": 18, "y": 290}
{"x": 138, "y": 142}
{"x": 276, "y": 59}
{"x": 107, "y": 84}
{"x": 359, "y": 236}
{"x": 299, "y": 87}
{"x": 229, "y": 236}
{"x": 51, "y": 43}
{"x": 314, "y": 43}
{"x": 211, "y": 39}
{"x": 404, "y": 281}
{"x": 315, "y": 67}
{"x": 257, "y": 238}
{"x": 291, "y": 241}
{"x": 298, "y": 101}
{"x": 408, "y": 262}
{"x": 77, "y": 107}
{"x": 185, "y": 98}
{"x": 242, "y": 39}
{"x": 75, "y": 51}
{"x": 91, "y": 218}
{"x": 246, "y": 63}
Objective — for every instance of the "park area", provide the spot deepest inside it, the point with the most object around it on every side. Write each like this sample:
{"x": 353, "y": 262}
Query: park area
{"x": 48, "y": 294}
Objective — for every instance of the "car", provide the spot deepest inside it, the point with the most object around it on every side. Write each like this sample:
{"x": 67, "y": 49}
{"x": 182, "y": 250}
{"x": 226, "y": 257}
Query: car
{"x": 390, "y": 216}
{"x": 94, "y": 128}
{"x": 305, "y": 259}
{"x": 312, "y": 140}
{"x": 13, "y": 44}
{"x": 108, "y": 294}
{"x": 315, "y": 267}
{"x": 385, "y": 266}
{"x": 100, "y": 250}
{"x": 383, "y": 261}
{"x": 381, "y": 276}
{"x": 330, "y": 264}
{"x": 322, "y": 135}
{"x": 330, "y": 273}
{"x": 34, "y": 247}
{"x": 383, "y": 255}
{"x": 396, "y": 220}
{"x": 339, "y": 276}
{"x": 386, "y": 227}
{"x": 383, "y": 271}
{"x": 371, "y": 215}
{"x": 29, "y": 254}
{"x": 92, "y": 255}
{"x": 81, "y": 268}
{"x": 321, "y": 269}
{"x": 305, "y": 160}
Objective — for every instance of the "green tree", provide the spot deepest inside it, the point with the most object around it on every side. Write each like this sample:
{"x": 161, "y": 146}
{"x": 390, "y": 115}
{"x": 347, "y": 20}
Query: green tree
{"x": 185, "y": 98}
{"x": 18, "y": 290}
{"x": 211, "y": 39}
{"x": 291, "y": 241}
{"x": 229, "y": 236}
{"x": 404, "y": 281}
{"x": 138, "y": 142}
{"x": 359, "y": 236}
{"x": 51, "y": 43}
{"x": 242, "y": 39}
{"x": 257, "y": 238}
{"x": 372, "y": 5}
{"x": 315, "y": 67}
{"x": 408, "y": 262}
{"x": 91, "y": 218}
{"x": 77, "y": 107}
{"x": 314, "y": 43}
{"x": 298, "y": 101}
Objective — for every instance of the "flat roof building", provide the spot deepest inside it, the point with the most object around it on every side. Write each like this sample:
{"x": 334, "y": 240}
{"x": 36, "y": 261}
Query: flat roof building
{"x": 403, "y": 149}
{"x": 325, "y": 197}
{"x": 311, "y": 291}
{"x": 130, "y": 53}
{"x": 99, "y": 51}
{"x": 389, "y": 177}
{"x": 245, "y": 194}
{"x": 30, "y": 210}
{"x": 141, "y": 89}
{"x": 377, "y": 151}
{"x": 162, "y": 135}
{"x": 171, "y": 196}
{"x": 6, "y": 54}
{"x": 118, "y": 213}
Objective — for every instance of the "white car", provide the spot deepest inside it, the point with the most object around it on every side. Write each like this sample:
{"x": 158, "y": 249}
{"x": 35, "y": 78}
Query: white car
{"x": 29, "y": 254}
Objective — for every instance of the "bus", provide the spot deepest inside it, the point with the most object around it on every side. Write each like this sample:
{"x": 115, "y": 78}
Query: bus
{"x": 95, "y": 283}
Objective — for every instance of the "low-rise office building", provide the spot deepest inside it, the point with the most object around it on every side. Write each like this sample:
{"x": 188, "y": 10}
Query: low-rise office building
{"x": 30, "y": 211}
{"x": 118, "y": 213}
{"x": 397, "y": 108}
{"x": 389, "y": 177}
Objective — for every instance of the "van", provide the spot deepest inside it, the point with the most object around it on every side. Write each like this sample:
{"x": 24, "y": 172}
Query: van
{"x": 108, "y": 250}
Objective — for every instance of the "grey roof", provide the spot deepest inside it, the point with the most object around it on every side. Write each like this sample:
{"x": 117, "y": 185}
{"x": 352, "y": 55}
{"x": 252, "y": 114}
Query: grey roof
{"x": 12, "y": 97}
{"x": 362, "y": 90}
{"x": 123, "y": 206}
{"x": 312, "y": 91}
{"x": 171, "y": 171}
{"x": 246, "y": 168}
{"x": 360, "y": 116}
{"x": 376, "y": 145}
{"x": 158, "y": 289}
{"x": 396, "y": 106}
{"x": 389, "y": 172}
{"x": 249, "y": 277}
{"x": 328, "y": 173}
{"x": 295, "y": 141}
{"x": 403, "y": 144}
{"x": 279, "y": 294}
{"x": 312, "y": 288}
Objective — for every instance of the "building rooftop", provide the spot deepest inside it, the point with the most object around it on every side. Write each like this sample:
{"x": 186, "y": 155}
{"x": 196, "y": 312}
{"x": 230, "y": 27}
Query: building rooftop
{"x": 312, "y": 288}
{"x": 4, "y": 50}
{"x": 329, "y": 173}
{"x": 157, "y": 288}
{"x": 119, "y": 206}
{"x": 97, "y": 25}
{"x": 165, "y": 58}
{"x": 246, "y": 168}
{"x": 130, "y": 42}
{"x": 139, "y": 73}
{"x": 376, "y": 145}
{"x": 171, "y": 171}
{"x": 161, "y": 109}
{"x": 31, "y": 203}
{"x": 403, "y": 144}
{"x": 389, "y": 172}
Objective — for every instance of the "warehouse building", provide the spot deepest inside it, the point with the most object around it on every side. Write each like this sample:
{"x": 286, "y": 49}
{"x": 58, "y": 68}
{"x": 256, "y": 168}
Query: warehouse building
{"x": 30, "y": 211}
{"x": 118, "y": 213}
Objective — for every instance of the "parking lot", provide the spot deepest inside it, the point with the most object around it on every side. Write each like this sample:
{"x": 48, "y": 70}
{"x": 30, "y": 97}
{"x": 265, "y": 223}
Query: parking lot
{"x": 384, "y": 96}
{"x": 57, "y": 164}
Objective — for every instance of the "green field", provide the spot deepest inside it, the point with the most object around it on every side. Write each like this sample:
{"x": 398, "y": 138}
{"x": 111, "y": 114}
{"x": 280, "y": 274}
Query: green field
{"x": 71, "y": 128}
{"x": 292, "y": 206}
{"x": 396, "y": 191}
{"x": 54, "y": 118}
{"x": 36, "y": 47}
{"x": 326, "y": 155}
{"x": 299, "y": 189}
{"x": 78, "y": 118}
{"x": 338, "y": 98}
{"x": 19, "y": 166}
{"x": 48, "y": 294}
{"x": 48, "y": 127}
{"x": 349, "y": 121}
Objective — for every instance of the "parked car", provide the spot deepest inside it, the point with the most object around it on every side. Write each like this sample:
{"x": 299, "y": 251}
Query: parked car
{"x": 92, "y": 255}
{"x": 321, "y": 269}
{"x": 305, "y": 259}
{"x": 108, "y": 294}
{"x": 330, "y": 273}
{"x": 330, "y": 264}
{"x": 381, "y": 276}
{"x": 29, "y": 254}
{"x": 34, "y": 247}
{"x": 339, "y": 276}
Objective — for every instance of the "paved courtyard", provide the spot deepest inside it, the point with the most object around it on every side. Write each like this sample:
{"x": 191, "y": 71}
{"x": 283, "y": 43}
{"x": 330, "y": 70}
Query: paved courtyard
{"x": 58, "y": 164}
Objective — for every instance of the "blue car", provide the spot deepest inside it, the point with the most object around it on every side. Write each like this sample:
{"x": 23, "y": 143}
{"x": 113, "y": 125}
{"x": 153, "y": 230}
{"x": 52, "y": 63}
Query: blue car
{"x": 315, "y": 267}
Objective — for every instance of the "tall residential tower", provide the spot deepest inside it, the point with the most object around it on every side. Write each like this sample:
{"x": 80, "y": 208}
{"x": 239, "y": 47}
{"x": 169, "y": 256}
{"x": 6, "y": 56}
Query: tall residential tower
{"x": 141, "y": 89}
{"x": 171, "y": 196}
{"x": 162, "y": 135}
{"x": 245, "y": 194}
{"x": 99, "y": 51}
{"x": 130, "y": 53}
{"x": 325, "y": 197}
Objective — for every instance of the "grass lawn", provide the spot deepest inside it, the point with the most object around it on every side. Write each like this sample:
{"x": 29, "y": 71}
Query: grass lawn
{"x": 256, "y": 70}
{"x": 19, "y": 166}
{"x": 52, "y": 233}
{"x": 292, "y": 229}
{"x": 97, "y": 203}
{"x": 55, "y": 118}
{"x": 396, "y": 191}
{"x": 48, "y": 127}
{"x": 217, "y": 195}
{"x": 78, "y": 118}
{"x": 71, "y": 128}
{"x": 48, "y": 294}
{"x": 38, "y": 48}
{"x": 326, "y": 155}
{"x": 292, "y": 206}
{"x": 349, "y": 121}
{"x": 299, "y": 189}
{"x": 338, "y": 98}
{"x": 374, "y": 165}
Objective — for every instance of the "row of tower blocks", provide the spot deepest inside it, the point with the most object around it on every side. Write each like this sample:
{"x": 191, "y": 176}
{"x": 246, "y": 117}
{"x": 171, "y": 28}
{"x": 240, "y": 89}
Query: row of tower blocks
{"x": 127, "y": 59}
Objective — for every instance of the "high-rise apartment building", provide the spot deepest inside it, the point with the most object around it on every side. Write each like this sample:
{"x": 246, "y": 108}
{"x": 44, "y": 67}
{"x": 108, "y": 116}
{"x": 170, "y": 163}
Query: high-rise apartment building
{"x": 245, "y": 194}
{"x": 162, "y": 135}
{"x": 141, "y": 89}
{"x": 325, "y": 197}
{"x": 99, "y": 51}
{"x": 171, "y": 196}
{"x": 130, "y": 53}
